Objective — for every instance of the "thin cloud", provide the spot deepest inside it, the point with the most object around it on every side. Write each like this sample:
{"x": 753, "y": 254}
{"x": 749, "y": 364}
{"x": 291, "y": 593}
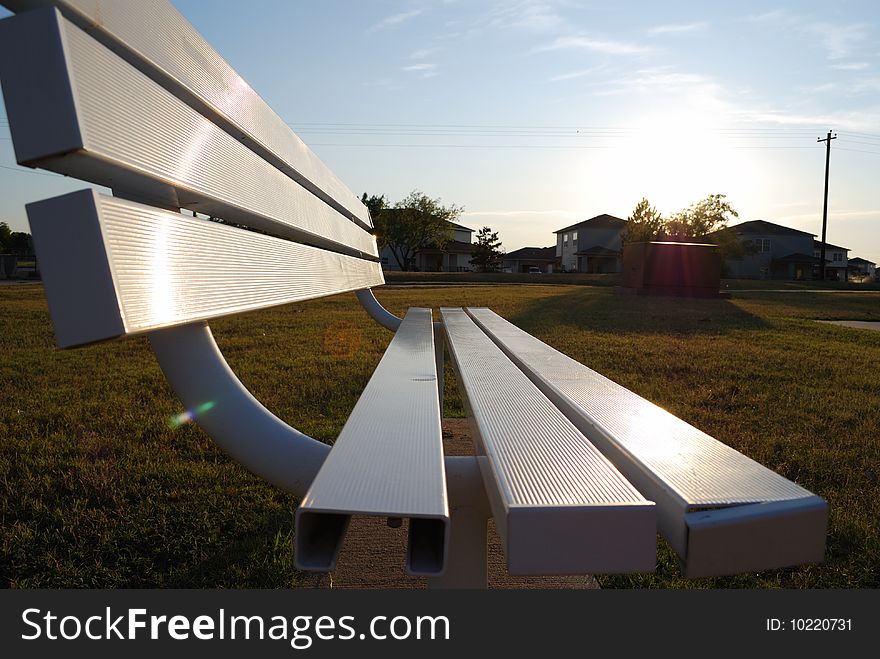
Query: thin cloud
{"x": 851, "y": 66}
{"x": 396, "y": 19}
{"x": 531, "y": 15}
{"x": 525, "y": 213}
{"x": 423, "y": 53}
{"x": 774, "y": 16}
{"x": 425, "y": 69}
{"x": 604, "y": 46}
{"x": 861, "y": 120}
{"x": 571, "y": 75}
{"x": 420, "y": 67}
{"x": 678, "y": 28}
{"x": 839, "y": 41}
{"x": 663, "y": 80}
{"x": 850, "y": 215}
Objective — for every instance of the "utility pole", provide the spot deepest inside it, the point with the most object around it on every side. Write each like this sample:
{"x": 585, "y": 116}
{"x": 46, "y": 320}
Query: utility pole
{"x": 827, "y": 141}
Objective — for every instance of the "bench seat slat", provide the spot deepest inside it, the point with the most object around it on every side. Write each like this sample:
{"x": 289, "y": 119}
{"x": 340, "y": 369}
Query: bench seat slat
{"x": 692, "y": 476}
{"x": 106, "y": 122}
{"x": 113, "y": 267}
{"x": 388, "y": 459}
{"x": 560, "y": 506}
{"x": 156, "y": 39}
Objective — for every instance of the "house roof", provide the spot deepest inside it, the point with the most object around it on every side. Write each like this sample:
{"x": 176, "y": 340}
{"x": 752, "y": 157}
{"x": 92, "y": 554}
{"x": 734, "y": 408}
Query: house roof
{"x": 532, "y": 254}
{"x": 460, "y": 227}
{"x": 597, "y": 251}
{"x": 603, "y": 221}
{"x": 859, "y": 259}
{"x": 817, "y": 244}
{"x": 762, "y": 227}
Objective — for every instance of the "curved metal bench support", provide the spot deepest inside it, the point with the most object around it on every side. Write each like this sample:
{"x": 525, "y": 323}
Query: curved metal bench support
{"x": 217, "y": 400}
{"x": 378, "y": 313}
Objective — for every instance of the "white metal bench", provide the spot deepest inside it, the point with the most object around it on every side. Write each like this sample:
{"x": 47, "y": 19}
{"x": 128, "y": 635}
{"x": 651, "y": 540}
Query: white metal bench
{"x": 576, "y": 470}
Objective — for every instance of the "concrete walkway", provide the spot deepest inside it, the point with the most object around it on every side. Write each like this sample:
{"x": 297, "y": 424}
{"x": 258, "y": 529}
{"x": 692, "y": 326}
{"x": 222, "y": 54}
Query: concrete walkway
{"x": 372, "y": 555}
{"x": 857, "y": 324}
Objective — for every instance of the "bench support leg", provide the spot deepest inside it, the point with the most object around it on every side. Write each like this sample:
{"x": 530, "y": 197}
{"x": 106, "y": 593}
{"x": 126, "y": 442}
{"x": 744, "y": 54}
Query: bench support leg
{"x": 466, "y": 565}
{"x": 216, "y": 400}
{"x": 377, "y": 312}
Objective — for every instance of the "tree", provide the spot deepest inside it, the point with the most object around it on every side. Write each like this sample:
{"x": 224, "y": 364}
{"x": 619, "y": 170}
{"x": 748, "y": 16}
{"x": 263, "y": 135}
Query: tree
{"x": 5, "y": 233}
{"x": 487, "y": 252}
{"x": 645, "y": 223}
{"x": 16, "y": 242}
{"x": 700, "y": 219}
{"x": 374, "y": 204}
{"x": 412, "y": 224}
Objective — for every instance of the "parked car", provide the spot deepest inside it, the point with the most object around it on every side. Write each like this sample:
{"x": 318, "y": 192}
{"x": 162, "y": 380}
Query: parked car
{"x": 534, "y": 270}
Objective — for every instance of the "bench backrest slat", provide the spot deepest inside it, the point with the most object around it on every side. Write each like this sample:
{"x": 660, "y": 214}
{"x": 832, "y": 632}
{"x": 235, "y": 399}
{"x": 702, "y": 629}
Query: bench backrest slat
{"x": 119, "y": 128}
{"x": 112, "y": 267}
{"x": 157, "y": 40}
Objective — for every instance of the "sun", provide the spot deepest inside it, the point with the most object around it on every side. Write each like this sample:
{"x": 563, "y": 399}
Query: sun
{"x": 675, "y": 158}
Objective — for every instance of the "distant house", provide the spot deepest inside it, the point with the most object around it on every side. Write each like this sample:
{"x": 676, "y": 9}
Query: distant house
{"x": 835, "y": 261}
{"x": 774, "y": 251}
{"x": 860, "y": 268}
{"x": 592, "y": 245}
{"x": 521, "y": 260}
{"x": 454, "y": 256}
{"x": 779, "y": 252}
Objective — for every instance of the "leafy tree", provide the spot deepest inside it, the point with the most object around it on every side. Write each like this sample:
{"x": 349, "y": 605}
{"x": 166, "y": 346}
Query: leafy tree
{"x": 645, "y": 223}
{"x": 487, "y": 252}
{"x": 17, "y": 242}
{"x": 374, "y": 204}
{"x": 413, "y": 224}
{"x": 700, "y": 219}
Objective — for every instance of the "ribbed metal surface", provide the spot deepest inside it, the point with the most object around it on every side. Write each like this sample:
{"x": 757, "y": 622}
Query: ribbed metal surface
{"x": 160, "y": 41}
{"x": 699, "y": 469}
{"x": 138, "y": 138}
{"x": 169, "y": 269}
{"x": 539, "y": 457}
{"x": 559, "y": 505}
{"x": 388, "y": 459}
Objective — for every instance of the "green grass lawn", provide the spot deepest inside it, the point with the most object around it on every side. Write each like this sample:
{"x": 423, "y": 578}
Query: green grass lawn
{"x": 100, "y": 490}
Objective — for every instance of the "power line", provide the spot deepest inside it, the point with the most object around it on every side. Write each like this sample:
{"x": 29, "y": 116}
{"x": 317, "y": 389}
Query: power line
{"x": 849, "y": 141}
{"x": 465, "y": 146}
{"x": 869, "y": 135}
{"x": 841, "y": 148}
{"x": 22, "y": 170}
{"x": 574, "y": 147}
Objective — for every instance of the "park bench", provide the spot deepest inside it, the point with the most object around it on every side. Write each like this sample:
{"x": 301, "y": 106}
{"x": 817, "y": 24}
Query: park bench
{"x": 578, "y": 472}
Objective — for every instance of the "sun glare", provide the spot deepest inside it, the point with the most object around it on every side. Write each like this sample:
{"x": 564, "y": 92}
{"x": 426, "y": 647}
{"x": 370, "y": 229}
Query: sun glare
{"x": 674, "y": 159}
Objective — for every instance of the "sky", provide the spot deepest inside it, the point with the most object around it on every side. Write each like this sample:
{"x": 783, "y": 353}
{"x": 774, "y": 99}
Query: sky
{"x": 536, "y": 114}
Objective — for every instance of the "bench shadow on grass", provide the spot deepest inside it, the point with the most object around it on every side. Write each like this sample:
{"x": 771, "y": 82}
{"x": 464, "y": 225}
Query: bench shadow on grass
{"x": 604, "y": 311}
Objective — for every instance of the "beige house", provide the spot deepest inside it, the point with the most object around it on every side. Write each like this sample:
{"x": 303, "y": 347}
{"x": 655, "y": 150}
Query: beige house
{"x": 836, "y": 261}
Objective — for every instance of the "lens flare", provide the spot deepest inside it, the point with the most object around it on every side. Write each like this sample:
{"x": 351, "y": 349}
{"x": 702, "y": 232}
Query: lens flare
{"x": 188, "y": 416}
